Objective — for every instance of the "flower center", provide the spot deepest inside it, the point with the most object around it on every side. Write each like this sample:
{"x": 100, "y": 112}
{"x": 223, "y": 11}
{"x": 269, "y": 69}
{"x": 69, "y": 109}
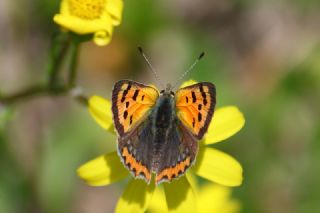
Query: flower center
{"x": 87, "y": 9}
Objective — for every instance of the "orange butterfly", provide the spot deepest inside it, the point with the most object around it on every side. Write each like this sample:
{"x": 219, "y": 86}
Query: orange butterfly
{"x": 158, "y": 132}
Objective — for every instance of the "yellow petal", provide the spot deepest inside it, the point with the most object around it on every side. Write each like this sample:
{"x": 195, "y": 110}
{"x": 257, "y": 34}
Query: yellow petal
{"x": 180, "y": 196}
{"x": 216, "y": 198}
{"x": 102, "y": 38}
{"x": 100, "y": 110}
{"x": 158, "y": 202}
{"x": 218, "y": 167}
{"x": 188, "y": 83}
{"x": 226, "y": 122}
{"x": 64, "y": 7}
{"x": 103, "y": 170}
{"x": 192, "y": 180}
{"x": 115, "y": 7}
{"x": 136, "y": 197}
{"x": 84, "y": 26}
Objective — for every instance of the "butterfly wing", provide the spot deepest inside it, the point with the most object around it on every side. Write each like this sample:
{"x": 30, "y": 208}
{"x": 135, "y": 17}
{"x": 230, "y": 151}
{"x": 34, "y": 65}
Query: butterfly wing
{"x": 195, "y": 106}
{"x": 131, "y": 102}
{"x": 131, "y": 106}
{"x": 135, "y": 150}
{"x": 178, "y": 153}
{"x": 194, "y": 110}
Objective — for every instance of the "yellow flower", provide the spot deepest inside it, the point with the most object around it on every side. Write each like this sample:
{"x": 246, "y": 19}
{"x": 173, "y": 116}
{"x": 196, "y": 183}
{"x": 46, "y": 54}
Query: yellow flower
{"x": 210, "y": 164}
{"x": 96, "y": 17}
{"x": 210, "y": 197}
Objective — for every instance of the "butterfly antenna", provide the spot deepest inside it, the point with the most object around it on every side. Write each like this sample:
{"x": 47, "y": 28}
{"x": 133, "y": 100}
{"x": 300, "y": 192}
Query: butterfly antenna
{"x": 190, "y": 68}
{"x": 151, "y": 67}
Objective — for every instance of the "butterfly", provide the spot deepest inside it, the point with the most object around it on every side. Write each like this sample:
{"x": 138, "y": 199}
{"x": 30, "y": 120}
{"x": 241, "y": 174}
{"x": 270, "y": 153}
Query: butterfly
{"x": 158, "y": 132}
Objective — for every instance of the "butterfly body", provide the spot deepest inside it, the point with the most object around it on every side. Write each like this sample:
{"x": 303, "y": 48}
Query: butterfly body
{"x": 158, "y": 132}
{"x": 163, "y": 117}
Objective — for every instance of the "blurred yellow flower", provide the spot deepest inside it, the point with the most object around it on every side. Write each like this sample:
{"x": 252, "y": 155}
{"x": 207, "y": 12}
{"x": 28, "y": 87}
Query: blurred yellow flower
{"x": 96, "y": 17}
{"x": 215, "y": 198}
{"x": 210, "y": 198}
{"x": 210, "y": 164}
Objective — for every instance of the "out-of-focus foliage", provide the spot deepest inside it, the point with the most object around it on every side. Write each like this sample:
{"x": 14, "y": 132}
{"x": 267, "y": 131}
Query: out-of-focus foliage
{"x": 263, "y": 56}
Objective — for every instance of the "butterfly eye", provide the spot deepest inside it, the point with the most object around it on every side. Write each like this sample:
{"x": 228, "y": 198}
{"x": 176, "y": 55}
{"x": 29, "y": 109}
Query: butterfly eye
{"x": 162, "y": 91}
{"x": 172, "y": 93}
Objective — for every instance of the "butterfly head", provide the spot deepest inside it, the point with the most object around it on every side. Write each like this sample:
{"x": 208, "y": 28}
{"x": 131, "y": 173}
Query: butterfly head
{"x": 168, "y": 91}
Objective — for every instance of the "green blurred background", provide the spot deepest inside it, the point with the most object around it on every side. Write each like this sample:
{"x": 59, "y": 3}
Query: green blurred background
{"x": 263, "y": 56}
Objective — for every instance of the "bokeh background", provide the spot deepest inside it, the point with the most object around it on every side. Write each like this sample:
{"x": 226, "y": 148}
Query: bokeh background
{"x": 263, "y": 56}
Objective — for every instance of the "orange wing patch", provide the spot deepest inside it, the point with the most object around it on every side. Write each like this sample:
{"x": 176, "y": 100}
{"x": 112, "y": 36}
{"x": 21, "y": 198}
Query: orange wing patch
{"x": 130, "y": 103}
{"x": 173, "y": 172}
{"x": 134, "y": 166}
{"x": 195, "y": 106}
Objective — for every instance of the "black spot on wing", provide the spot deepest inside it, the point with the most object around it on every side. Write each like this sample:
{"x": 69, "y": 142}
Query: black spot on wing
{"x": 199, "y": 106}
{"x": 135, "y": 95}
{"x": 127, "y": 104}
{"x": 125, "y": 92}
{"x": 204, "y": 95}
{"x": 187, "y": 99}
{"x": 142, "y": 173}
{"x": 125, "y": 114}
{"x": 199, "y": 117}
{"x": 194, "y": 98}
{"x": 201, "y": 88}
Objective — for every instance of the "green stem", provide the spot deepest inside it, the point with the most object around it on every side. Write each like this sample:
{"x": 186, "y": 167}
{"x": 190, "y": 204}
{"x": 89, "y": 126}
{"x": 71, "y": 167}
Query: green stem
{"x": 59, "y": 49}
{"x": 73, "y": 64}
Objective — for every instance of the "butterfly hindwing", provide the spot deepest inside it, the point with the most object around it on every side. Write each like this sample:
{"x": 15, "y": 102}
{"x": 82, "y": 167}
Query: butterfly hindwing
{"x": 135, "y": 150}
{"x": 178, "y": 153}
{"x": 131, "y": 101}
{"x": 195, "y": 106}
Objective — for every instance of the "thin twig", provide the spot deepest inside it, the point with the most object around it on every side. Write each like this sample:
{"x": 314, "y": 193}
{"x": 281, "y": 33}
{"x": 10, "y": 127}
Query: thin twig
{"x": 41, "y": 90}
{"x": 26, "y": 93}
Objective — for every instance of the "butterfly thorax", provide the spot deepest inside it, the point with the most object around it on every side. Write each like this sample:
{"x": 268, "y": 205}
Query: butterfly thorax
{"x": 164, "y": 111}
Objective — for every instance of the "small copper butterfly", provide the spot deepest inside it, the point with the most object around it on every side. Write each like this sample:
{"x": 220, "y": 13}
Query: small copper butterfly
{"x": 158, "y": 132}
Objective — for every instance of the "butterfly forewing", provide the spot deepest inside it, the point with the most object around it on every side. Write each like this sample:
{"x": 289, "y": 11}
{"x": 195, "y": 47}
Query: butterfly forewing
{"x": 131, "y": 101}
{"x": 195, "y": 106}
